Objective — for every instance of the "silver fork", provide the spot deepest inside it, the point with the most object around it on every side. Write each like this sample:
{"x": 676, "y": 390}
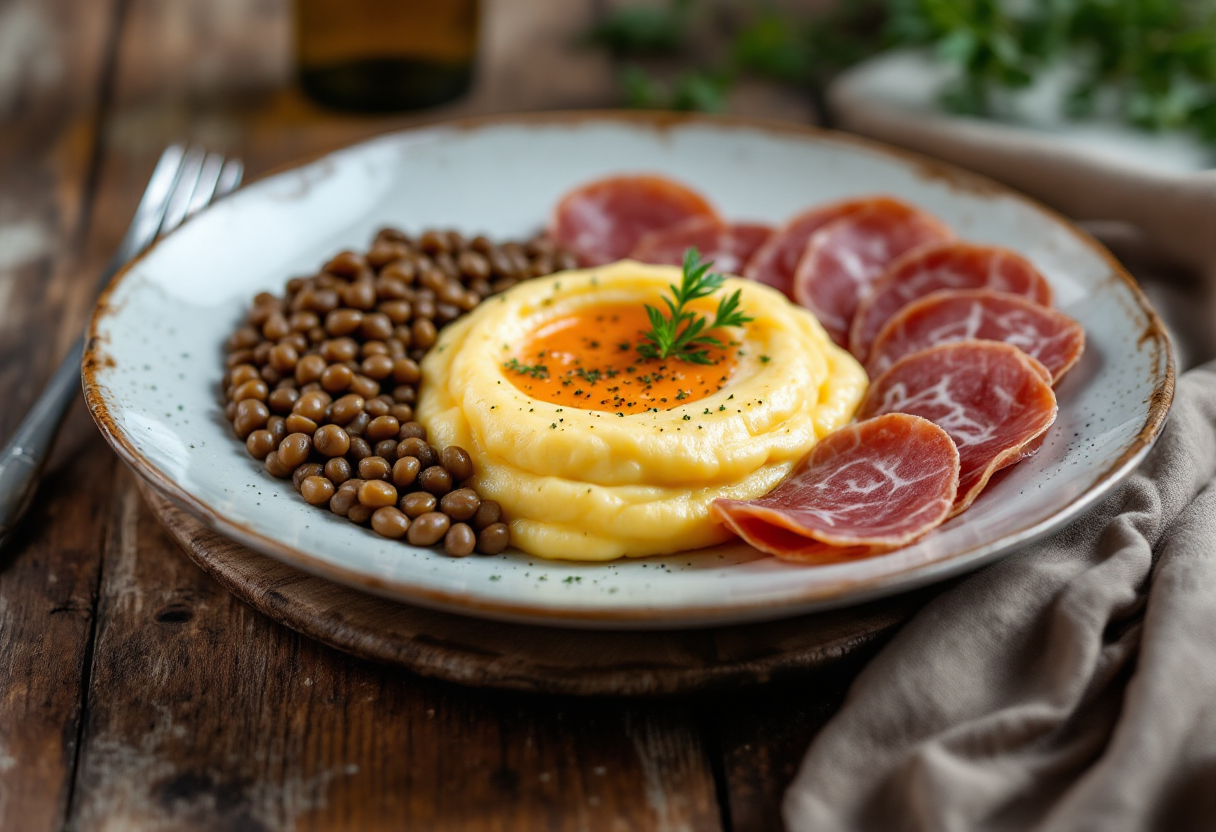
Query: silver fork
{"x": 182, "y": 184}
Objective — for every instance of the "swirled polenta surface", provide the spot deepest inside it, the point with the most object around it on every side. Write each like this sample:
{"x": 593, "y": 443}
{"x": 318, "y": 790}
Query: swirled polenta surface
{"x": 593, "y": 483}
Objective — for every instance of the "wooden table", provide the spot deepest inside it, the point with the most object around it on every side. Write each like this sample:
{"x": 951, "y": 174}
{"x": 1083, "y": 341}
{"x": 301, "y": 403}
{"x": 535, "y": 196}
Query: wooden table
{"x": 136, "y": 693}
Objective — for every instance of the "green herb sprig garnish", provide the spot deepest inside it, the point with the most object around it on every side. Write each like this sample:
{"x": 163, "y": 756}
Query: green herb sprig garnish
{"x": 682, "y": 333}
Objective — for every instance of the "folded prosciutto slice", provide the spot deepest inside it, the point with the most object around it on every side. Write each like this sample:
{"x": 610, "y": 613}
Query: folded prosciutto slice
{"x": 867, "y": 488}
{"x": 951, "y": 265}
{"x": 844, "y": 258}
{"x": 775, "y": 262}
{"x": 1051, "y": 337}
{"x": 727, "y": 245}
{"x": 994, "y": 400}
{"x": 602, "y": 221}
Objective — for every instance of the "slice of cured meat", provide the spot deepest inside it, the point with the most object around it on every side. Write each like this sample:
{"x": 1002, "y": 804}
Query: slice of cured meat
{"x": 729, "y": 246}
{"x": 1049, "y": 336}
{"x": 602, "y": 221}
{"x": 775, "y": 262}
{"x": 952, "y": 265}
{"x": 867, "y": 488}
{"x": 993, "y": 399}
{"x": 844, "y": 258}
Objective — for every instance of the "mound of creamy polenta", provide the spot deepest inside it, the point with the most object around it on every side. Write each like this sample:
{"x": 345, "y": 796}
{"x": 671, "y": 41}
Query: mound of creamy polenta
{"x": 596, "y": 453}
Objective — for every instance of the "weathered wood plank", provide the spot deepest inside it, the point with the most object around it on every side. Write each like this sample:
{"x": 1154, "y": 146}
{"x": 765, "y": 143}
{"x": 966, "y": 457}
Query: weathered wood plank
{"x": 761, "y": 735}
{"x": 47, "y": 595}
{"x": 53, "y": 55}
{"x": 202, "y": 713}
{"x": 524, "y": 658}
{"x": 221, "y": 73}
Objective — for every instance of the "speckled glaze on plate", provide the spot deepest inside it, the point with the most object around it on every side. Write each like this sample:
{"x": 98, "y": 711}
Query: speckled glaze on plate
{"x": 154, "y": 359}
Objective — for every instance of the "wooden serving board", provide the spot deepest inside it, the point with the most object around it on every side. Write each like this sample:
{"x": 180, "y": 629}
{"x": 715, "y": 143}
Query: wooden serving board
{"x": 482, "y": 653}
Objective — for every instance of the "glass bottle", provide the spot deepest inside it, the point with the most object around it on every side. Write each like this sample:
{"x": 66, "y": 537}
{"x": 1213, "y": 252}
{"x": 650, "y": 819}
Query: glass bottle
{"x": 383, "y": 55}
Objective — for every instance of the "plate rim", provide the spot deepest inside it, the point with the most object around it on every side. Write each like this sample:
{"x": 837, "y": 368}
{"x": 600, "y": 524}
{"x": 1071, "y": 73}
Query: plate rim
{"x": 821, "y": 597}
{"x": 465, "y": 660}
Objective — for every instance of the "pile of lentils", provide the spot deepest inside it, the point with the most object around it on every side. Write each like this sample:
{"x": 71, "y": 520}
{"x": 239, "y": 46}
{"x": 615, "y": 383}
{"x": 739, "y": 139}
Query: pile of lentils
{"x": 321, "y": 383}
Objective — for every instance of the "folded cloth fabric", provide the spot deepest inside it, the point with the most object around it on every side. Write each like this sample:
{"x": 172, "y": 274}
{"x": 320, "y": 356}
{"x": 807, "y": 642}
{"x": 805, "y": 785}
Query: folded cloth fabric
{"x": 1069, "y": 687}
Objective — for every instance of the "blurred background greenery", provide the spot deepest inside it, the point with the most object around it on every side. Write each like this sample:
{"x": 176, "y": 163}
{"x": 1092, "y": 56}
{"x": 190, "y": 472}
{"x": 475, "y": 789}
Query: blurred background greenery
{"x": 1150, "y": 63}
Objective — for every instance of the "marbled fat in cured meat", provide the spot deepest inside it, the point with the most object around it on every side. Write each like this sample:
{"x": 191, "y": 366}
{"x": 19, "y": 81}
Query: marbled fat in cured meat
{"x": 602, "y": 221}
{"x": 775, "y": 262}
{"x": 844, "y": 258}
{"x": 728, "y": 245}
{"x": 867, "y": 488}
{"x": 951, "y": 265}
{"x": 993, "y": 399}
{"x": 1049, "y": 336}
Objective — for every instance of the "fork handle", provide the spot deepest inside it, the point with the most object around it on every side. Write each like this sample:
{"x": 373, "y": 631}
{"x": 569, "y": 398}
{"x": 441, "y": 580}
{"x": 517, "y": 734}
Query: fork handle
{"x": 27, "y": 451}
{"x": 24, "y": 456}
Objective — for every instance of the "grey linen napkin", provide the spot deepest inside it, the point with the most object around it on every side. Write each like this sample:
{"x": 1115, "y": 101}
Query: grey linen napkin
{"x": 1069, "y": 687}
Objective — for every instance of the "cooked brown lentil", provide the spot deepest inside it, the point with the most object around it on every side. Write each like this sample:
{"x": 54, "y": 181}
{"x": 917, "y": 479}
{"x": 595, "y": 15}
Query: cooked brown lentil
{"x": 348, "y": 407}
{"x": 298, "y": 424}
{"x": 456, "y": 460}
{"x": 331, "y": 441}
{"x": 436, "y": 480}
{"x": 317, "y": 491}
{"x": 294, "y": 450}
{"x": 488, "y": 513}
{"x": 405, "y": 471}
{"x": 417, "y": 504}
{"x": 359, "y": 448}
{"x": 337, "y": 470}
{"x": 376, "y": 408}
{"x": 390, "y": 522}
{"x": 375, "y": 468}
{"x": 282, "y": 399}
{"x": 381, "y": 427}
{"x": 460, "y": 540}
{"x": 359, "y": 513}
{"x": 386, "y": 448}
{"x": 417, "y": 448}
{"x": 277, "y": 426}
{"x": 460, "y": 504}
{"x": 260, "y": 443}
{"x": 321, "y": 383}
{"x": 411, "y": 430}
{"x": 377, "y": 493}
{"x": 251, "y": 415}
{"x": 346, "y": 497}
{"x": 493, "y": 539}
{"x": 429, "y": 528}
{"x": 303, "y": 472}
{"x": 276, "y": 468}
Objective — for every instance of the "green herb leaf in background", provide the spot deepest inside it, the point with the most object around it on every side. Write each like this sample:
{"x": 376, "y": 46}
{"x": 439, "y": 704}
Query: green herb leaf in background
{"x": 1150, "y": 62}
{"x": 774, "y": 47}
{"x": 644, "y": 29}
{"x": 692, "y": 90}
{"x": 1156, "y": 59}
{"x": 640, "y": 91}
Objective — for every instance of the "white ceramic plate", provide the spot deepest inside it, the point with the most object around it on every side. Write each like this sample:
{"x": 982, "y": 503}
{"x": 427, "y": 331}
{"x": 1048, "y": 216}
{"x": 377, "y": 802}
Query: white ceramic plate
{"x": 910, "y": 82}
{"x": 155, "y": 355}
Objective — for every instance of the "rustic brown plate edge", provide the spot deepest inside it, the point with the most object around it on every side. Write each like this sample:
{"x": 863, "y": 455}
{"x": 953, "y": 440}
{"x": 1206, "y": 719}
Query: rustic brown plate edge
{"x": 821, "y": 598}
{"x": 451, "y": 660}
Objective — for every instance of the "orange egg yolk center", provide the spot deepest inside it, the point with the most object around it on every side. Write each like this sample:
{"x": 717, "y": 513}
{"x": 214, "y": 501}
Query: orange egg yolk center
{"x": 589, "y": 360}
